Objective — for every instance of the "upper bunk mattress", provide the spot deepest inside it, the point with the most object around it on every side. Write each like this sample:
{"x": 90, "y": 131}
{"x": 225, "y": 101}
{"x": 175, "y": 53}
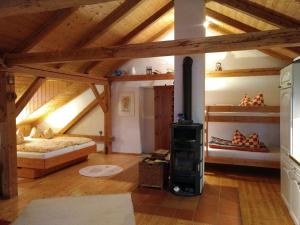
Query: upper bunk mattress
{"x": 272, "y": 155}
{"x": 47, "y": 148}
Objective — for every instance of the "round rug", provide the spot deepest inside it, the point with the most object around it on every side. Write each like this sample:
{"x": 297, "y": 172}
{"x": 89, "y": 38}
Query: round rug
{"x": 100, "y": 170}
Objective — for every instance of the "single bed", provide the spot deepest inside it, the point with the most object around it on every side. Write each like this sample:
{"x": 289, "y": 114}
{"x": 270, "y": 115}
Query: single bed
{"x": 37, "y": 157}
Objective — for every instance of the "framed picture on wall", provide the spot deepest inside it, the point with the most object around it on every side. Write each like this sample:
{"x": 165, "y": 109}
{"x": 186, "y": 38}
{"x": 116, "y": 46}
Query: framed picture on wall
{"x": 126, "y": 104}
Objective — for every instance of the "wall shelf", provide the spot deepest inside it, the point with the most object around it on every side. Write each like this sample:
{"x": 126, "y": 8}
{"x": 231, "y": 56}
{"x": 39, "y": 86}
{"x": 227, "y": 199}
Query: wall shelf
{"x": 142, "y": 77}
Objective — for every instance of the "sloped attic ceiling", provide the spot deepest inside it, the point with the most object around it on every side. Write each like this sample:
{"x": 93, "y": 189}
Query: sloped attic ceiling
{"x": 113, "y": 23}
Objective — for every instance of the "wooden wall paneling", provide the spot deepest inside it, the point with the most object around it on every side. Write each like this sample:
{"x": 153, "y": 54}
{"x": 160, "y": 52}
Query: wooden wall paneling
{"x": 3, "y": 105}
{"x": 8, "y": 151}
{"x": 25, "y": 98}
{"x": 108, "y": 120}
{"x": 59, "y": 99}
{"x": 163, "y": 109}
{"x": 77, "y": 118}
{"x": 16, "y": 7}
{"x": 136, "y": 31}
{"x": 234, "y": 42}
{"x": 38, "y": 35}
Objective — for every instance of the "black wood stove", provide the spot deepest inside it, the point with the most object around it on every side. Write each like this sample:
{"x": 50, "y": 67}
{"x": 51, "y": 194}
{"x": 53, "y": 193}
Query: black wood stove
{"x": 187, "y": 166}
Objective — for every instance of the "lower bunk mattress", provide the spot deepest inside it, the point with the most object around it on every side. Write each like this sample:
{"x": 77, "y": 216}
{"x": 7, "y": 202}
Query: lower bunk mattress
{"x": 272, "y": 155}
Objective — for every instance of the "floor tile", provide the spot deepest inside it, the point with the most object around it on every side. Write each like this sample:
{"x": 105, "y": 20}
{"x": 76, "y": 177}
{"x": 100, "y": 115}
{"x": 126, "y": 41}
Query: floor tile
{"x": 184, "y": 214}
{"x": 229, "y": 208}
{"x": 228, "y": 220}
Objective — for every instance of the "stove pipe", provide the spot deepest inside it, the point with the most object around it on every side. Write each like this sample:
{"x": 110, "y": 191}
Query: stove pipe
{"x": 187, "y": 88}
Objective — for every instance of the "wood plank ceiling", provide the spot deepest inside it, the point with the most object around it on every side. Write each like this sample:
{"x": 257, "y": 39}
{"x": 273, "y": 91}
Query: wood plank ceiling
{"x": 120, "y": 22}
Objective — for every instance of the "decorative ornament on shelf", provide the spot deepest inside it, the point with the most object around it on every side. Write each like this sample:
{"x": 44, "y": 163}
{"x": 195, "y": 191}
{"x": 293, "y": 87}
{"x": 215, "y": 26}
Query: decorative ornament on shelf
{"x": 149, "y": 70}
{"x": 219, "y": 66}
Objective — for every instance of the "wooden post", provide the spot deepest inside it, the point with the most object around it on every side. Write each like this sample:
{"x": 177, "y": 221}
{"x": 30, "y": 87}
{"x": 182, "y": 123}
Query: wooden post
{"x": 8, "y": 151}
{"x": 107, "y": 119}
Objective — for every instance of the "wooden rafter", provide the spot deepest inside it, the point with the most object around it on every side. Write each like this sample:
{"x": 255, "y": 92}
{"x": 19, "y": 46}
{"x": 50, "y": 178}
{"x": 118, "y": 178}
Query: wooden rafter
{"x": 243, "y": 27}
{"x": 25, "y": 98}
{"x": 100, "y": 98}
{"x": 270, "y": 52}
{"x": 107, "y": 22}
{"x": 262, "y": 13}
{"x": 8, "y": 151}
{"x": 104, "y": 25}
{"x": 266, "y": 14}
{"x": 234, "y": 42}
{"x": 77, "y": 118}
{"x": 16, "y": 7}
{"x": 38, "y": 35}
{"x": 57, "y": 74}
{"x": 136, "y": 31}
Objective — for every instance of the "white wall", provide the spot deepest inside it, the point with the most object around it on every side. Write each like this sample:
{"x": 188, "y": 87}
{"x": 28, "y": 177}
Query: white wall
{"x": 189, "y": 20}
{"x": 126, "y": 130}
{"x": 91, "y": 124}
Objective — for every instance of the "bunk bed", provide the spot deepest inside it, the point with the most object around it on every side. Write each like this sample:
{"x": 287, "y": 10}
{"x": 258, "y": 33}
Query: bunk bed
{"x": 37, "y": 157}
{"x": 241, "y": 114}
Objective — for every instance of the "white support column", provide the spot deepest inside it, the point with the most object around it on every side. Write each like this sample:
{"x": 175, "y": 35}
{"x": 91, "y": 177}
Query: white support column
{"x": 189, "y": 19}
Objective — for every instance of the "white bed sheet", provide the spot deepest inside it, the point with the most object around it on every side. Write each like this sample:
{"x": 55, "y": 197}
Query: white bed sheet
{"x": 272, "y": 155}
{"x": 35, "y": 155}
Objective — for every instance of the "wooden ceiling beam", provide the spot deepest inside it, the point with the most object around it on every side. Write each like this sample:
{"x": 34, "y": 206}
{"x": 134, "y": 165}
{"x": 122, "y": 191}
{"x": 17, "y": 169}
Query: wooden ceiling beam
{"x": 57, "y": 74}
{"x": 136, "y": 31}
{"x": 246, "y": 28}
{"x": 262, "y": 13}
{"x": 17, "y": 7}
{"x": 270, "y": 52}
{"x": 233, "y": 42}
{"x": 38, "y": 35}
{"x": 100, "y": 98}
{"x": 25, "y": 98}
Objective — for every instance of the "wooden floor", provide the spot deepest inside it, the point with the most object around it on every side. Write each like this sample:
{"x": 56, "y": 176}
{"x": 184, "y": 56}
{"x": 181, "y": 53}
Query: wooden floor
{"x": 231, "y": 196}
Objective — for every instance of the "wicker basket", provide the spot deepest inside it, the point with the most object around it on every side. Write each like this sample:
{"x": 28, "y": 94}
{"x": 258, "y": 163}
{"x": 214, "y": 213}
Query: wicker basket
{"x": 153, "y": 174}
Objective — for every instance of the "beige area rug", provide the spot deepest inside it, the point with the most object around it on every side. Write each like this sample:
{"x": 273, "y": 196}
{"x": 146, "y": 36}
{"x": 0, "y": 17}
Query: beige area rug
{"x": 100, "y": 170}
{"x": 86, "y": 210}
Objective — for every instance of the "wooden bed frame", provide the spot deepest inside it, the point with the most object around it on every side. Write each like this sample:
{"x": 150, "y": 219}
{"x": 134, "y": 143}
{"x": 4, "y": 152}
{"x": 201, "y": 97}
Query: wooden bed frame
{"x": 34, "y": 168}
{"x": 240, "y": 119}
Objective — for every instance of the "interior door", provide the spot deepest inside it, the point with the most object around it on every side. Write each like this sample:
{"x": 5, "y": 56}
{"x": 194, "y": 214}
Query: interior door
{"x": 285, "y": 119}
{"x": 163, "y": 107}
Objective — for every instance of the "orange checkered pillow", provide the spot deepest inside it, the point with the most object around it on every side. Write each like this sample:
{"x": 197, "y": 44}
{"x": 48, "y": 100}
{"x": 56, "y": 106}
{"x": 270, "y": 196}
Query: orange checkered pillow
{"x": 246, "y": 101}
{"x": 238, "y": 138}
{"x": 252, "y": 141}
{"x": 258, "y": 100}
